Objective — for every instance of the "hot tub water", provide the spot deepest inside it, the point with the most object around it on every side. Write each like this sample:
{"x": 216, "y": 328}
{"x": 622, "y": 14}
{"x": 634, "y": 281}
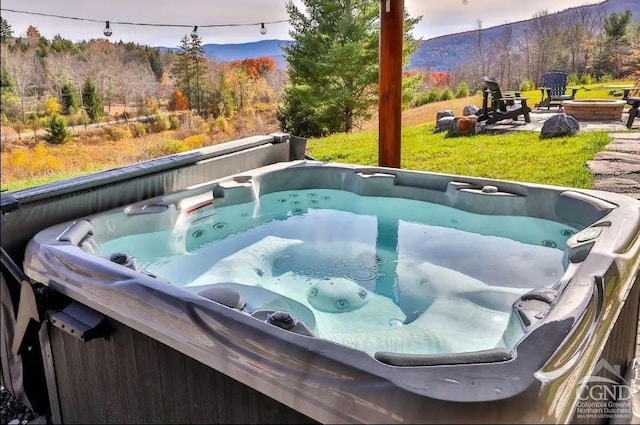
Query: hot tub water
{"x": 379, "y": 274}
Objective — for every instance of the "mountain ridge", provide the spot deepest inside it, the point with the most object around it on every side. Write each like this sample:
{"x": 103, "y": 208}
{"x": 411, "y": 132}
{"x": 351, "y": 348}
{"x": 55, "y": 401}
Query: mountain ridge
{"x": 440, "y": 53}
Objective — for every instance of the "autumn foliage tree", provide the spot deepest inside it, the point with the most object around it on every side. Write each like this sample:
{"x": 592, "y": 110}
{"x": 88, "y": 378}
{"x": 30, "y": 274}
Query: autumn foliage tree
{"x": 256, "y": 68}
{"x": 178, "y": 102}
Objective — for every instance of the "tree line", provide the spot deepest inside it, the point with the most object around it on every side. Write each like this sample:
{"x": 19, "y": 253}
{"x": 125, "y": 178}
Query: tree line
{"x": 88, "y": 77}
{"x": 584, "y": 43}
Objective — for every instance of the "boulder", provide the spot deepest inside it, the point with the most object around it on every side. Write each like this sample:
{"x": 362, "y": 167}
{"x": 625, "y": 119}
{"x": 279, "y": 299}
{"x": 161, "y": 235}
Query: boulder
{"x": 560, "y": 125}
{"x": 442, "y": 114}
{"x": 467, "y": 125}
{"x": 470, "y": 110}
{"x": 445, "y": 124}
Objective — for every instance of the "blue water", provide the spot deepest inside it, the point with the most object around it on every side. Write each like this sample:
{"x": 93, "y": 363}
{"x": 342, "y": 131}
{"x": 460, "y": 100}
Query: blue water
{"x": 378, "y": 274}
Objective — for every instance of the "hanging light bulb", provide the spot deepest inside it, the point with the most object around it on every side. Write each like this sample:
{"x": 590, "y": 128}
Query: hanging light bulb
{"x": 107, "y": 30}
{"x": 194, "y": 33}
{"x": 263, "y": 30}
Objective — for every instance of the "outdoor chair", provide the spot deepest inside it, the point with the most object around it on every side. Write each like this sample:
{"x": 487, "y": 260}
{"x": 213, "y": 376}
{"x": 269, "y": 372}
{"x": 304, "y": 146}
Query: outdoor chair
{"x": 632, "y": 96}
{"x": 554, "y": 87}
{"x": 497, "y": 106}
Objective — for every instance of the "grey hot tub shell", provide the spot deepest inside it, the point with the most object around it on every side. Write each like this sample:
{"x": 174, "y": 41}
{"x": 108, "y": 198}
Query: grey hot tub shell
{"x": 590, "y": 316}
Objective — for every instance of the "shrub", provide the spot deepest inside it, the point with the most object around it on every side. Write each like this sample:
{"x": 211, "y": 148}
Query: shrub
{"x": 527, "y": 85}
{"x": 605, "y": 78}
{"x": 446, "y": 94}
{"x": 117, "y": 132}
{"x": 152, "y": 105}
{"x": 165, "y": 147}
{"x": 586, "y": 79}
{"x": 573, "y": 79}
{"x": 174, "y": 122}
{"x": 223, "y": 124}
{"x": 420, "y": 98}
{"x": 137, "y": 129}
{"x": 434, "y": 95}
{"x": 193, "y": 124}
{"x": 161, "y": 122}
{"x": 80, "y": 117}
{"x": 25, "y": 164}
{"x": 51, "y": 106}
{"x": 58, "y": 133}
{"x": 195, "y": 141}
{"x": 462, "y": 90}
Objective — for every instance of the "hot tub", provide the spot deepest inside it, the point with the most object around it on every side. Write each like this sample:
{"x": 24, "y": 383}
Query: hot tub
{"x": 360, "y": 294}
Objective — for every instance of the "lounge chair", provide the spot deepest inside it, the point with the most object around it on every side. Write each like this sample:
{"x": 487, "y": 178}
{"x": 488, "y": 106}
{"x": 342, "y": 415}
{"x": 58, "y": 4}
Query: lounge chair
{"x": 497, "y": 106}
{"x": 554, "y": 88}
{"x": 632, "y": 96}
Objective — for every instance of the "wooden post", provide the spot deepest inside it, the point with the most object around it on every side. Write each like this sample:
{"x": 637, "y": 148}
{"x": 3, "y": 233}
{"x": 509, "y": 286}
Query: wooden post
{"x": 390, "y": 80}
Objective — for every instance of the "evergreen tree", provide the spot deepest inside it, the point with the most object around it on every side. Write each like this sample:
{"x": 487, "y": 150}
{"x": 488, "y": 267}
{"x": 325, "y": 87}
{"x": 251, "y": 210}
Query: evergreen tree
{"x": 333, "y": 61}
{"x": 5, "y": 30}
{"x": 58, "y": 133}
{"x": 156, "y": 64}
{"x": 6, "y": 84}
{"x": 189, "y": 71}
{"x": 91, "y": 100}
{"x": 70, "y": 101}
{"x": 615, "y": 46}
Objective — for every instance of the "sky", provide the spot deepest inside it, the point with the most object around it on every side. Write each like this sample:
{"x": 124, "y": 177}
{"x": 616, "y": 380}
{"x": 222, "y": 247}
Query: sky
{"x": 439, "y": 17}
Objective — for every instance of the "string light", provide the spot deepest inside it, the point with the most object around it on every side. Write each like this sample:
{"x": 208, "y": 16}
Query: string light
{"x": 107, "y": 30}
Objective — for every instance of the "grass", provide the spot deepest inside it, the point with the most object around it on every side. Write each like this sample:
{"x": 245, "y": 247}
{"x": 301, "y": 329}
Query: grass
{"x": 44, "y": 179}
{"x": 516, "y": 156}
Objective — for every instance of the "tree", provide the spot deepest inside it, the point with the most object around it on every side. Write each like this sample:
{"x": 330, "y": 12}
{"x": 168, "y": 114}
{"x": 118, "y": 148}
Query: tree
{"x": 177, "y": 102}
{"x": 70, "y": 99}
{"x": 615, "y": 45}
{"x": 58, "y": 133}
{"x": 91, "y": 100}
{"x": 5, "y": 30}
{"x": 52, "y": 107}
{"x": 189, "y": 71}
{"x": 33, "y": 35}
{"x": 333, "y": 61}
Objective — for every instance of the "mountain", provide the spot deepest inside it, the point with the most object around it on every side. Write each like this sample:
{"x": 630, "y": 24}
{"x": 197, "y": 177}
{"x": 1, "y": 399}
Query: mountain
{"x": 447, "y": 52}
{"x": 443, "y": 53}
{"x": 234, "y": 52}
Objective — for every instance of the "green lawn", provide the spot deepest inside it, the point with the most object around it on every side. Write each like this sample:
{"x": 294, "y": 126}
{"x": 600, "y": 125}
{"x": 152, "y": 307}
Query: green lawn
{"x": 517, "y": 156}
{"x": 53, "y": 177}
{"x": 590, "y": 91}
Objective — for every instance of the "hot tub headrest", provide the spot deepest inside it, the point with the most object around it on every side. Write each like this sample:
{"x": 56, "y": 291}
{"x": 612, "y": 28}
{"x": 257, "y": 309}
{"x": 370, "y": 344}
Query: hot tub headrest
{"x": 224, "y": 296}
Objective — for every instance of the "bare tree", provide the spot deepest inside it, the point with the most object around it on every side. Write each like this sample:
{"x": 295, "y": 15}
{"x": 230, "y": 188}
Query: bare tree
{"x": 25, "y": 69}
{"x": 543, "y": 30}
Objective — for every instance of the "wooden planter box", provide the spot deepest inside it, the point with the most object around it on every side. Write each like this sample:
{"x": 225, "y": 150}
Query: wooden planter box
{"x": 594, "y": 110}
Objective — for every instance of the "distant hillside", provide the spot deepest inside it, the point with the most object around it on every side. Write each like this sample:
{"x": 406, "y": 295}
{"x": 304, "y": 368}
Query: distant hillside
{"x": 234, "y": 52}
{"x": 447, "y": 52}
{"x": 443, "y": 53}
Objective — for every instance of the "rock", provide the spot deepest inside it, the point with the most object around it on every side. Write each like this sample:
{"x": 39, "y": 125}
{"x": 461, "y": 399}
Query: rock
{"x": 454, "y": 130}
{"x": 445, "y": 123}
{"x": 470, "y": 110}
{"x": 467, "y": 125}
{"x": 559, "y": 125}
{"x": 442, "y": 114}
